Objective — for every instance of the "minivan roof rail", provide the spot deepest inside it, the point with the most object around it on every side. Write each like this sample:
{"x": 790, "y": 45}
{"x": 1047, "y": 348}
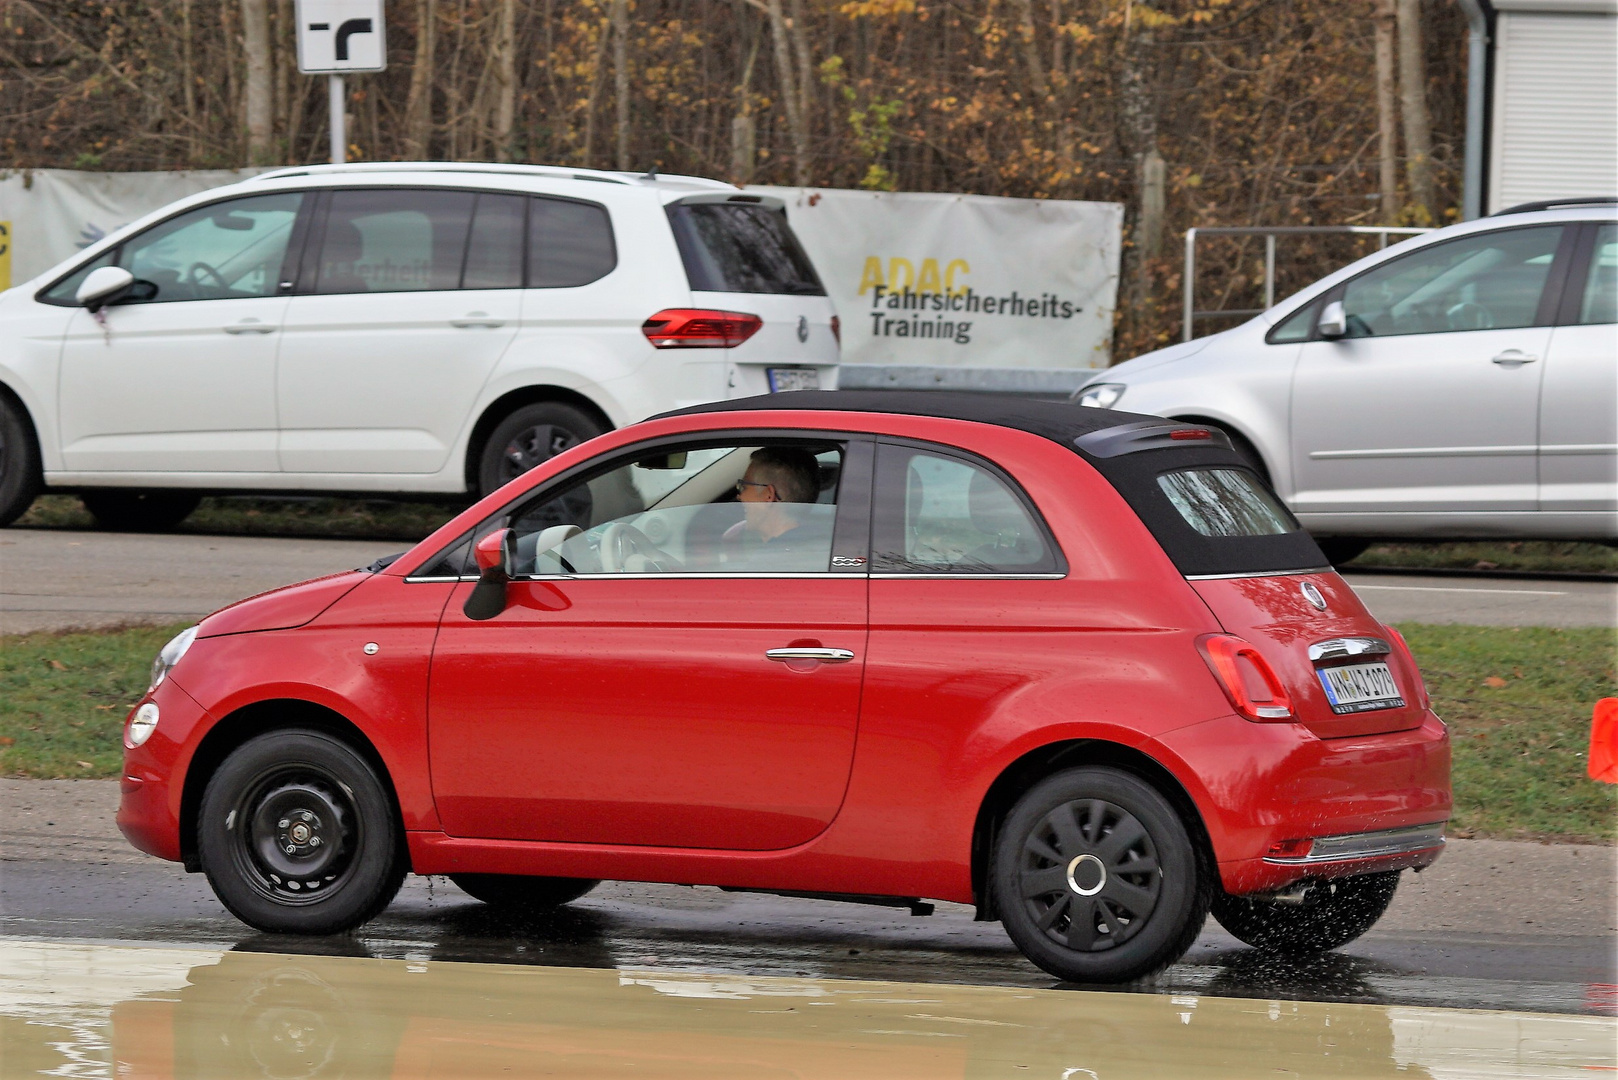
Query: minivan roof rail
{"x": 1557, "y": 204}
{"x": 492, "y": 168}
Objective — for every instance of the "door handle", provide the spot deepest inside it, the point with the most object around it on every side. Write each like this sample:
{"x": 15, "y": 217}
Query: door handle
{"x": 250, "y": 326}
{"x": 825, "y": 656}
{"x": 1514, "y": 358}
{"x": 476, "y": 318}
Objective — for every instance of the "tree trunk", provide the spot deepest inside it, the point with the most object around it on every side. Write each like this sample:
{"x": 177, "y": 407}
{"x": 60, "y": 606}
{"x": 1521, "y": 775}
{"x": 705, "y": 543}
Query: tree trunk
{"x": 1036, "y": 71}
{"x": 188, "y": 75}
{"x": 620, "y": 77}
{"x": 743, "y": 126}
{"x": 505, "y": 78}
{"x": 596, "y": 67}
{"x": 419, "y": 102}
{"x": 1418, "y": 125}
{"x": 260, "y": 89}
{"x": 1387, "y": 109}
{"x": 789, "y": 94}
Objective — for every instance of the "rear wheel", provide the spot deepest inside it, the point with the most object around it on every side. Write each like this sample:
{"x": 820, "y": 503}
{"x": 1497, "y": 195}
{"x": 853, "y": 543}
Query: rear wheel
{"x": 530, "y": 436}
{"x": 1333, "y": 913}
{"x": 139, "y": 511}
{"x": 1096, "y": 877}
{"x": 20, "y": 476}
{"x": 297, "y": 835}
{"x": 516, "y": 892}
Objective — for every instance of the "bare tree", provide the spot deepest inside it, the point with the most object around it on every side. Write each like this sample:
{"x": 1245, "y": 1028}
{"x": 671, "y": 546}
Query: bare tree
{"x": 620, "y": 76}
{"x": 1418, "y": 125}
{"x": 1386, "y": 110}
{"x": 791, "y": 97}
{"x": 418, "y": 130}
{"x": 504, "y": 64}
{"x": 260, "y": 87}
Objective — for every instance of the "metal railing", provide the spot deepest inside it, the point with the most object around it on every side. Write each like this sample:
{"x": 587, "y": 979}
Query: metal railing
{"x": 1269, "y": 232}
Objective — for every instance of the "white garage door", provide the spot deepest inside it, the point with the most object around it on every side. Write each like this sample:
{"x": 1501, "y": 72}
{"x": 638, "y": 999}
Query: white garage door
{"x": 1555, "y": 106}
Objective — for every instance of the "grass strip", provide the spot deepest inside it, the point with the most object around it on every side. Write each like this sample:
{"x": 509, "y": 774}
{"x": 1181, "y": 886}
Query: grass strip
{"x": 1556, "y": 556}
{"x": 1518, "y": 702}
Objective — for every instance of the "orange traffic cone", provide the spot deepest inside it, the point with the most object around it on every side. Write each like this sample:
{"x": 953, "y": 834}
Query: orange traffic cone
{"x": 1604, "y": 741}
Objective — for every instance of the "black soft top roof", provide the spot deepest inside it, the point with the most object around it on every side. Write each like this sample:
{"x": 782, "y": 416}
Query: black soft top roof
{"x": 1131, "y": 462}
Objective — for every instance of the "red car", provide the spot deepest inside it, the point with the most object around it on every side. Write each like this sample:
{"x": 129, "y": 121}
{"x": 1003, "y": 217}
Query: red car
{"x": 1077, "y": 667}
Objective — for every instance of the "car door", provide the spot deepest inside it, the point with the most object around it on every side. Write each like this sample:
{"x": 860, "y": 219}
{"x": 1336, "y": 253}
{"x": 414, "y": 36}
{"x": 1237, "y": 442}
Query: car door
{"x": 405, "y": 302}
{"x": 1430, "y": 404}
{"x": 183, "y": 380}
{"x": 1578, "y": 463}
{"x": 634, "y": 689}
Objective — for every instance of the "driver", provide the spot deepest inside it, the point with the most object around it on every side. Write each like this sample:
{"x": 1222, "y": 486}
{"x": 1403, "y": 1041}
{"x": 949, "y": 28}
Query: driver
{"x": 779, "y": 532}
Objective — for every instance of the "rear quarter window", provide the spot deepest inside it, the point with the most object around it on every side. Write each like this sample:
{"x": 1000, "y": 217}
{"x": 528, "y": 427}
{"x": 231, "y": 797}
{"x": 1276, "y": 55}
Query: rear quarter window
{"x": 741, "y": 248}
{"x": 1226, "y": 502}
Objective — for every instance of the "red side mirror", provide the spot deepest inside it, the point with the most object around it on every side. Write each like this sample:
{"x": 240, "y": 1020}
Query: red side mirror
{"x": 493, "y": 554}
{"x": 490, "y": 552}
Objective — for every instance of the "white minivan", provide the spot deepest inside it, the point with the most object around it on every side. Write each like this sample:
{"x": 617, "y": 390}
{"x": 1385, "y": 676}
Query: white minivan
{"x": 392, "y": 328}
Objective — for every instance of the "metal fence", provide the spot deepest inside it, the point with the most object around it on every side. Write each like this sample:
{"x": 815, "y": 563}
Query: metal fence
{"x": 1269, "y": 232}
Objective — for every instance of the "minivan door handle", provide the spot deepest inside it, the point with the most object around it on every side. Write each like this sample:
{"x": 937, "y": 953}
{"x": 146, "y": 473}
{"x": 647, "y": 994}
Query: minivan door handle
{"x": 250, "y": 326}
{"x": 825, "y": 656}
{"x": 1514, "y": 358}
{"x": 476, "y": 318}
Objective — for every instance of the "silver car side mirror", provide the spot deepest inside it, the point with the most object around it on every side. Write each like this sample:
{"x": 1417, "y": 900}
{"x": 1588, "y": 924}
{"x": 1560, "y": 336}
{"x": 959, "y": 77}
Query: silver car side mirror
{"x": 104, "y": 285}
{"x": 1333, "y": 322}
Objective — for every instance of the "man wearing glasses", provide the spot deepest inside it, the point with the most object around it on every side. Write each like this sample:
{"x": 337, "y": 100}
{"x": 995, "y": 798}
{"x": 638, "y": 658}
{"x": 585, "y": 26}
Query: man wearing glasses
{"x": 784, "y": 531}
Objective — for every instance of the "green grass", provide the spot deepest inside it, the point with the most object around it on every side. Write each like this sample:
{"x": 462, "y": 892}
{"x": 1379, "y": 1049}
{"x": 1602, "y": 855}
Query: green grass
{"x": 361, "y": 519}
{"x": 1552, "y": 555}
{"x": 1518, "y": 702}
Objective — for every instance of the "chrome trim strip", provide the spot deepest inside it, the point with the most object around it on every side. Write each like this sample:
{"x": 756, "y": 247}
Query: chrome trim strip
{"x": 1425, "y": 452}
{"x": 1369, "y": 845}
{"x": 838, "y": 574}
{"x": 1259, "y": 573}
{"x": 828, "y": 656}
{"x": 1336, "y": 648}
{"x": 945, "y": 576}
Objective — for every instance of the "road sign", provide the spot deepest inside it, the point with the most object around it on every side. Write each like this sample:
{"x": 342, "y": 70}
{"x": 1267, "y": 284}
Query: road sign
{"x": 339, "y": 36}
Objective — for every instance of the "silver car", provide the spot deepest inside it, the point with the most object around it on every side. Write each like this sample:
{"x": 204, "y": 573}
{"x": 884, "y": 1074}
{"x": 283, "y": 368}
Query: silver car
{"x": 1460, "y": 384}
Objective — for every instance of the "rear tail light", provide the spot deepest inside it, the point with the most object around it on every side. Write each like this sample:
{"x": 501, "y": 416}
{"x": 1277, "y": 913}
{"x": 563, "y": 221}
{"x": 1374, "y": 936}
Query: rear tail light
{"x": 1403, "y": 649}
{"x": 1191, "y": 435}
{"x": 837, "y": 329}
{"x": 1289, "y": 849}
{"x": 699, "y": 328}
{"x": 1246, "y": 677}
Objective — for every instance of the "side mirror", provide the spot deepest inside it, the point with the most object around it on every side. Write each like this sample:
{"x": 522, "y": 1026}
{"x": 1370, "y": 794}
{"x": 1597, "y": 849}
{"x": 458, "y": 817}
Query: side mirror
{"x": 1333, "y": 321}
{"x": 104, "y": 285}
{"x": 494, "y": 558}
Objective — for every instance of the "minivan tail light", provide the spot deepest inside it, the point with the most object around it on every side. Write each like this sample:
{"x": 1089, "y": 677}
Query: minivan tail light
{"x": 1422, "y": 697}
{"x": 837, "y": 329}
{"x": 1246, "y": 677}
{"x": 699, "y": 328}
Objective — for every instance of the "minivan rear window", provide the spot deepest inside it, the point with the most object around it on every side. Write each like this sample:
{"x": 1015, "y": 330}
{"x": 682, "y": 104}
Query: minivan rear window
{"x": 741, "y": 248}
{"x": 1226, "y": 502}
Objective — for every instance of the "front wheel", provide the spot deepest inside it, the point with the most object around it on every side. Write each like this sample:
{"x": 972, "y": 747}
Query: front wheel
{"x": 1333, "y": 913}
{"x": 139, "y": 511}
{"x": 297, "y": 835}
{"x": 515, "y": 892}
{"x": 530, "y": 436}
{"x": 1096, "y": 878}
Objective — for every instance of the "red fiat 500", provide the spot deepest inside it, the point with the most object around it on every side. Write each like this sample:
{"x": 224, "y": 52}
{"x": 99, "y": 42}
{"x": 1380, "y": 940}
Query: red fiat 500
{"x": 1077, "y": 667}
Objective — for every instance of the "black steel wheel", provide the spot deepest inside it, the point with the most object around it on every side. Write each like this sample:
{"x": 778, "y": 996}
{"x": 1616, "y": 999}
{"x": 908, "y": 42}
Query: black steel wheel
{"x": 139, "y": 511}
{"x": 20, "y": 475}
{"x": 1341, "y": 549}
{"x": 298, "y": 835}
{"x": 1096, "y": 878}
{"x": 530, "y": 436}
{"x": 1331, "y": 914}
{"x": 516, "y": 892}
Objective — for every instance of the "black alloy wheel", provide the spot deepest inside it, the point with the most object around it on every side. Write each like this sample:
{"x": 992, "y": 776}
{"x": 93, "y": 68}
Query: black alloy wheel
{"x": 531, "y": 436}
{"x": 139, "y": 511}
{"x": 298, "y": 835}
{"x": 20, "y": 475}
{"x": 1331, "y": 914}
{"x": 519, "y": 893}
{"x": 1096, "y": 877}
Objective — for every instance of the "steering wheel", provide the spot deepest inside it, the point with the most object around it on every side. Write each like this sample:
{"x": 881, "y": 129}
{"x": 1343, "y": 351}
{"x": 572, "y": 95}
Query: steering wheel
{"x": 192, "y": 278}
{"x": 1469, "y": 316}
{"x": 619, "y": 541}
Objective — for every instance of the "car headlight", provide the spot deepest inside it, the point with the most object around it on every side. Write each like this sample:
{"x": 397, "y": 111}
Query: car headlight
{"x": 1101, "y": 395}
{"x": 141, "y": 725}
{"x": 170, "y": 655}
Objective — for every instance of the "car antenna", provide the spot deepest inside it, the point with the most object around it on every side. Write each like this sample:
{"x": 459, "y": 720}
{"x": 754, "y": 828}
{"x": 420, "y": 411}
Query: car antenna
{"x": 651, "y": 174}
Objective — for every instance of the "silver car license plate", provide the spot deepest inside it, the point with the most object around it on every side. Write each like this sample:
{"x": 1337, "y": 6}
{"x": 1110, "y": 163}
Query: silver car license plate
{"x": 794, "y": 378}
{"x": 1360, "y": 688}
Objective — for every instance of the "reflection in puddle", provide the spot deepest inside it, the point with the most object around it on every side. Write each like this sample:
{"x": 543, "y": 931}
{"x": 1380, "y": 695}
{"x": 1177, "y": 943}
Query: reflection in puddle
{"x": 143, "y": 1014}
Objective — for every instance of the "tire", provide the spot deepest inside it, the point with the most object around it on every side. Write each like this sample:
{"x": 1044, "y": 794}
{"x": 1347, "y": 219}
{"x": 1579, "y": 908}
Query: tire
{"x": 1341, "y": 549}
{"x": 1333, "y": 914}
{"x": 347, "y": 861}
{"x": 20, "y": 475}
{"x": 1113, "y": 834}
{"x": 515, "y": 892}
{"x": 529, "y": 436}
{"x": 139, "y": 511}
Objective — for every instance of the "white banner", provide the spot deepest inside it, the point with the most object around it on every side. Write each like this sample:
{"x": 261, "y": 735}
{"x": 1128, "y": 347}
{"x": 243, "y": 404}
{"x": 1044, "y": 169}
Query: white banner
{"x": 966, "y": 281}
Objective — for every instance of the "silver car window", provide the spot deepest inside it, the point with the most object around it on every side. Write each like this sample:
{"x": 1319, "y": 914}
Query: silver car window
{"x": 222, "y": 251}
{"x": 1601, "y": 287}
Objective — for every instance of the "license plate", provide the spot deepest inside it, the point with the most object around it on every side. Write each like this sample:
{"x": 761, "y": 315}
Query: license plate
{"x": 794, "y": 378}
{"x": 1360, "y": 688}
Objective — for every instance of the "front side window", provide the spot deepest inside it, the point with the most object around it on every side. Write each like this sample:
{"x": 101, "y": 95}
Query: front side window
{"x": 1226, "y": 502}
{"x": 706, "y": 509}
{"x": 940, "y": 514}
{"x": 1600, "y": 304}
{"x": 741, "y": 248}
{"x": 393, "y": 240}
{"x": 223, "y": 251}
{"x": 1492, "y": 281}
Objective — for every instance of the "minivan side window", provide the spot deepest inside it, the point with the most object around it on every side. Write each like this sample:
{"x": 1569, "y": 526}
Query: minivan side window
{"x": 569, "y": 243}
{"x": 1600, "y": 303}
{"x": 494, "y": 254}
{"x": 1490, "y": 281}
{"x": 393, "y": 240}
{"x": 741, "y": 248}
{"x": 940, "y": 514}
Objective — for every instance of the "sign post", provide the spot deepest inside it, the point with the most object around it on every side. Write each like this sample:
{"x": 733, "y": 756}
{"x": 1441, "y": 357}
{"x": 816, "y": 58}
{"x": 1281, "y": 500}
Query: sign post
{"x": 336, "y": 37}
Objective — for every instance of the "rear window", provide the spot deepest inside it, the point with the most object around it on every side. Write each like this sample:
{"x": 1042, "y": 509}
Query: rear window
{"x": 741, "y": 248}
{"x": 1226, "y": 502}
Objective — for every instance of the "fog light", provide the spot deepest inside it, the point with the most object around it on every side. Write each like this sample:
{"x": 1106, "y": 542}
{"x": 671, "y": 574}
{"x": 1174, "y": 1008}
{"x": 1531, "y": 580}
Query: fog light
{"x": 141, "y": 725}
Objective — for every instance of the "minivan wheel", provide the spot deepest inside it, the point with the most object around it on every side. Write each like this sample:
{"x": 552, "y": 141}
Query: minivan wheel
{"x": 297, "y": 835}
{"x": 1333, "y": 913}
{"x": 1096, "y": 878}
{"x": 139, "y": 511}
{"x": 20, "y": 476}
{"x": 1341, "y": 549}
{"x": 530, "y": 436}
{"x": 519, "y": 893}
